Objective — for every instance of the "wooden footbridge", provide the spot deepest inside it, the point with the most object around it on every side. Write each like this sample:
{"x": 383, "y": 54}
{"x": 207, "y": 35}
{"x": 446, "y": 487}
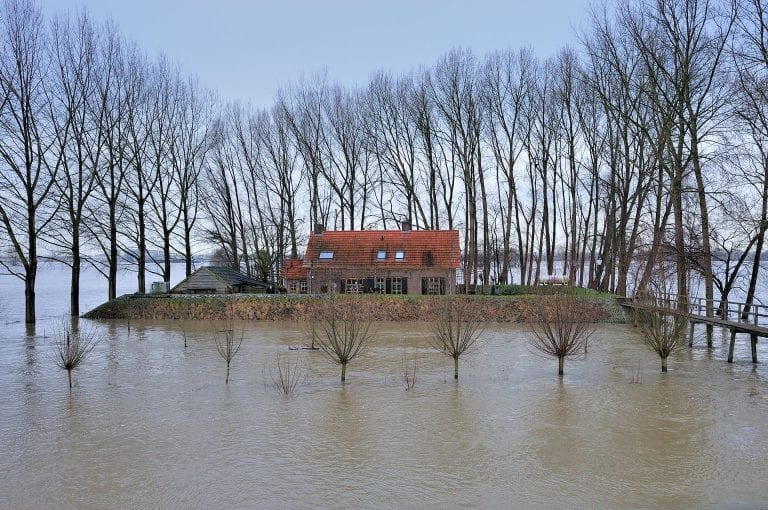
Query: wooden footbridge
{"x": 733, "y": 316}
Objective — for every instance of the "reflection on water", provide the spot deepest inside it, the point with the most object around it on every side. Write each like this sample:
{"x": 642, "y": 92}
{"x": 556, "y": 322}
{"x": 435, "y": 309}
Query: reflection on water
{"x": 151, "y": 424}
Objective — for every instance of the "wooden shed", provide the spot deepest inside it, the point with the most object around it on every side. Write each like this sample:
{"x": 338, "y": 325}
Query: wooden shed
{"x": 220, "y": 280}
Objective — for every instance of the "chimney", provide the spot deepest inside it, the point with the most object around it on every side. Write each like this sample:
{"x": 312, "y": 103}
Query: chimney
{"x": 319, "y": 228}
{"x": 405, "y": 226}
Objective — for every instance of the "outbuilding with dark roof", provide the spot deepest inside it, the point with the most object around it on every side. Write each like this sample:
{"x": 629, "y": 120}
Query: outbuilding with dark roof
{"x": 220, "y": 280}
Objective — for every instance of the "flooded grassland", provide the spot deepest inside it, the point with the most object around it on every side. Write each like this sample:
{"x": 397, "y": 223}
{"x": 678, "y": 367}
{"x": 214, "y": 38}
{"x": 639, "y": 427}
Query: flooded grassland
{"x": 150, "y": 423}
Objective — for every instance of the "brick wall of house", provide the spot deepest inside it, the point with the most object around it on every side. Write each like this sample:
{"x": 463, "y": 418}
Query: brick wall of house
{"x": 366, "y": 280}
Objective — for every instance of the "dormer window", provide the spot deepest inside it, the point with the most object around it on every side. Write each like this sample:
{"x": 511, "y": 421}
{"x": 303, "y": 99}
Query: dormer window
{"x": 326, "y": 255}
{"x": 381, "y": 255}
{"x": 399, "y": 256}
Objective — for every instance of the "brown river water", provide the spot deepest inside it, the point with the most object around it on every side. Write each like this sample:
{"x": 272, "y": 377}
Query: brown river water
{"x": 150, "y": 424}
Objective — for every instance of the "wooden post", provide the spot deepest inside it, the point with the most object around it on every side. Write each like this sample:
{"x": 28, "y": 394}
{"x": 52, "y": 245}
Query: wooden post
{"x": 730, "y": 349}
{"x": 690, "y": 337}
{"x": 754, "y": 348}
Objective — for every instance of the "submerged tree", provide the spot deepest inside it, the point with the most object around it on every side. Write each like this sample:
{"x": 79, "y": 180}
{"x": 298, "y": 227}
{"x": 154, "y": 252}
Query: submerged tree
{"x": 561, "y": 327}
{"x": 456, "y": 331}
{"x": 662, "y": 328}
{"x": 228, "y": 343}
{"x": 341, "y": 334}
{"x": 73, "y": 345}
{"x": 409, "y": 373}
{"x": 287, "y": 374}
{"x": 28, "y": 202}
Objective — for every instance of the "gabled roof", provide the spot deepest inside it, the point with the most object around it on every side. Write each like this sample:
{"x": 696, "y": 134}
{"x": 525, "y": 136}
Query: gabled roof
{"x": 233, "y": 277}
{"x": 293, "y": 269}
{"x": 229, "y": 277}
{"x": 421, "y": 248}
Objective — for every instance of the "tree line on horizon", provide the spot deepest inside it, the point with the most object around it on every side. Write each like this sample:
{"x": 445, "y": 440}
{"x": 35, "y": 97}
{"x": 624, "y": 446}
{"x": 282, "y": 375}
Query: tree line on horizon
{"x": 641, "y": 151}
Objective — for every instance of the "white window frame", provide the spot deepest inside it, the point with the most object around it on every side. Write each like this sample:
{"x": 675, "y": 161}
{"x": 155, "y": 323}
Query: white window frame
{"x": 353, "y": 286}
{"x": 381, "y": 255}
{"x": 433, "y": 286}
{"x": 380, "y": 285}
{"x": 325, "y": 255}
{"x": 400, "y": 256}
{"x": 396, "y": 285}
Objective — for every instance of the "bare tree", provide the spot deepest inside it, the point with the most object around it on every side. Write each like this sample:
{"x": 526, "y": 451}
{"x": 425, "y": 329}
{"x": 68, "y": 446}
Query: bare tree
{"x": 115, "y": 94}
{"x": 683, "y": 45}
{"x": 282, "y": 177}
{"x": 507, "y": 87}
{"x": 456, "y": 332}
{"x": 391, "y": 126}
{"x": 141, "y": 179}
{"x": 751, "y": 108}
{"x": 409, "y": 373}
{"x": 78, "y": 122}
{"x": 303, "y": 110}
{"x": 27, "y": 178}
{"x": 561, "y": 327}
{"x": 221, "y": 200}
{"x": 457, "y": 99}
{"x": 188, "y": 152}
{"x": 662, "y": 328}
{"x": 287, "y": 374}
{"x": 228, "y": 343}
{"x": 166, "y": 95}
{"x": 73, "y": 345}
{"x": 342, "y": 334}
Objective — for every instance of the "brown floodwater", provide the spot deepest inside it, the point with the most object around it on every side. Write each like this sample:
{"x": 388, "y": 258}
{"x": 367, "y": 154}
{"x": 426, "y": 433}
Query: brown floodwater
{"x": 150, "y": 424}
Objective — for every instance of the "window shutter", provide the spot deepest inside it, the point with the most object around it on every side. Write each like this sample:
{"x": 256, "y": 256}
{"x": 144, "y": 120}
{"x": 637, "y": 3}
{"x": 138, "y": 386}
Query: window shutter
{"x": 405, "y": 285}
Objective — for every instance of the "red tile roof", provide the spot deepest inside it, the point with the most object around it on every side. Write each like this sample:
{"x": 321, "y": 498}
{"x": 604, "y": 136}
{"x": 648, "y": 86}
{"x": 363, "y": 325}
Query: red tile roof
{"x": 422, "y": 248}
{"x": 293, "y": 269}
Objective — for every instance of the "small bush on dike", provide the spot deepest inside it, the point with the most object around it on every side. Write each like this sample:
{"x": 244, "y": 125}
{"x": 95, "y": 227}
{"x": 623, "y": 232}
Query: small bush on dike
{"x": 546, "y": 290}
{"x": 510, "y": 290}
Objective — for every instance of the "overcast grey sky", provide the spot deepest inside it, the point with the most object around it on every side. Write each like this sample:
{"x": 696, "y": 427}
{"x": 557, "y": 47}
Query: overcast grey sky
{"x": 246, "y": 50}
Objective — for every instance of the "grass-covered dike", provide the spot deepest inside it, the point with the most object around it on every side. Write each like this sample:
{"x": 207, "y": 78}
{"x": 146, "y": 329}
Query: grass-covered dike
{"x": 509, "y": 305}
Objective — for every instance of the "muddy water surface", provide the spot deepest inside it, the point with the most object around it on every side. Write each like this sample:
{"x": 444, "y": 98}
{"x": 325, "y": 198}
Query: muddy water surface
{"x": 150, "y": 424}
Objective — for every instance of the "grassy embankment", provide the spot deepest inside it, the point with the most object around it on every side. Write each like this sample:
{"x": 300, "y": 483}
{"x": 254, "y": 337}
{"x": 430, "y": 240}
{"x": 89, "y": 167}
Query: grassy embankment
{"x": 509, "y": 306}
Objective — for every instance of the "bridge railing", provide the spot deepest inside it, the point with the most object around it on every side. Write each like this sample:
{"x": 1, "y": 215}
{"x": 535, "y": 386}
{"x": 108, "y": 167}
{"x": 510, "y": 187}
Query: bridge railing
{"x": 733, "y": 311}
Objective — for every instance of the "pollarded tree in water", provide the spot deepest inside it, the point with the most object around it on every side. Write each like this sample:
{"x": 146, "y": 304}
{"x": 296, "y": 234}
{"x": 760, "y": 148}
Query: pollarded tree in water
{"x": 287, "y": 374}
{"x": 228, "y": 343}
{"x": 457, "y": 330}
{"x": 561, "y": 326}
{"x": 342, "y": 334}
{"x": 73, "y": 345}
{"x": 662, "y": 327}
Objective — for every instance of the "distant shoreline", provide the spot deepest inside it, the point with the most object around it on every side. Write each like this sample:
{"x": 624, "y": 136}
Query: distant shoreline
{"x": 259, "y": 307}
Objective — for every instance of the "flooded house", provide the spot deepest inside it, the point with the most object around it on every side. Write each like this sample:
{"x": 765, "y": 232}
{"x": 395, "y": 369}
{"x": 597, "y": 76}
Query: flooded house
{"x": 405, "y": 261}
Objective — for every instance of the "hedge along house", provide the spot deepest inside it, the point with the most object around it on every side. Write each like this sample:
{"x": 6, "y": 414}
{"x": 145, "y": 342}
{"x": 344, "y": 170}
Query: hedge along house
{"x": 221, "y": 280}
{"x": 376, "y": 261}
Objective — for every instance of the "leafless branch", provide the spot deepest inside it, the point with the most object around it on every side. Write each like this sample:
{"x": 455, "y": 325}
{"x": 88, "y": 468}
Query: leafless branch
{"x": 342, "y": 334}
{"x": 72, "y": 346}
{"x": 457, "y": 331}
{"x": 561, "y": 327}
{"x": 228, "y": 344}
